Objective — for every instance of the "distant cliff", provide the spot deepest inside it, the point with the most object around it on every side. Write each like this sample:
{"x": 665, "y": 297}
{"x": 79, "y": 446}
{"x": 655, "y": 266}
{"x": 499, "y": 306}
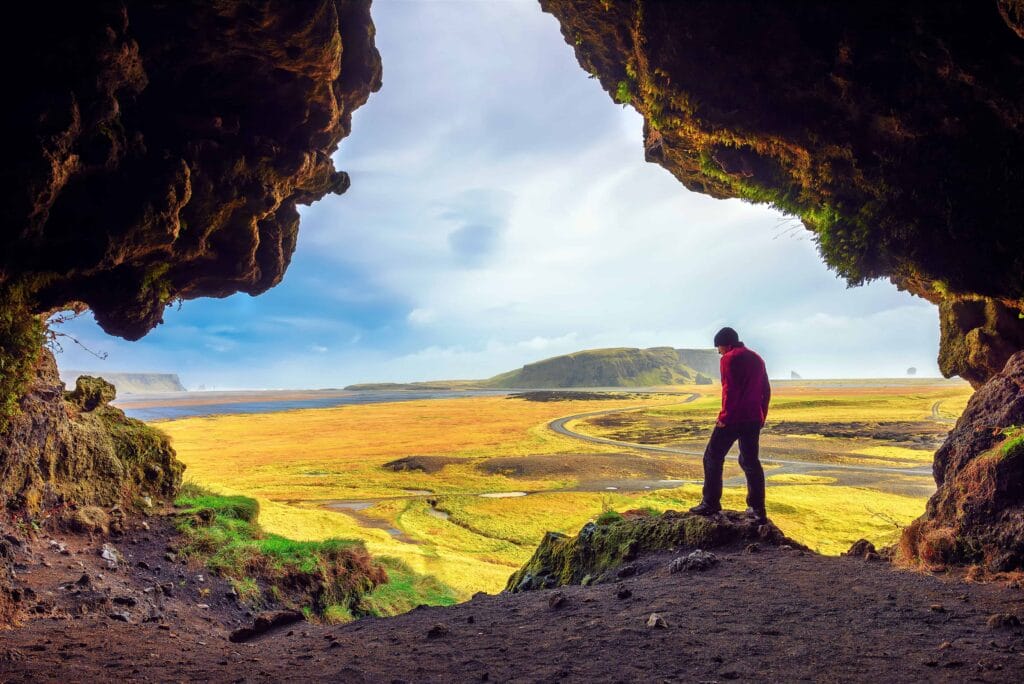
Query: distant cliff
{"x": 130, "y": 383}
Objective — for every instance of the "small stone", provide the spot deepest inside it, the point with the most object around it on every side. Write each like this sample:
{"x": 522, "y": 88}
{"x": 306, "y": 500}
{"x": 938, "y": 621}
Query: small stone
{"x": 144, "y": 525}
{"x": 437, "y": 631}
{"x": 1003, "y": 621}
{"x": 142, "y": 565}
{"x": 623, "y": 593}
{"x": 556, "y": 600}
{"x": 169, "y": 557}
{"x": 202, "y": 605}
{"x": 470, "y": 620}
{"x": 753, "y": 548}
{"x": 626, "y": 571}
{"x": 110, "y": 556}
{"x": 655, "y": 621}
{"x": 200, "y": 578}
{"x": 944, "y": 645}
{"x": 698, "y": 560}
{"x": 937, "y": 608}
{"x": 129, "y": 601}
{"x": 120, "y": 617}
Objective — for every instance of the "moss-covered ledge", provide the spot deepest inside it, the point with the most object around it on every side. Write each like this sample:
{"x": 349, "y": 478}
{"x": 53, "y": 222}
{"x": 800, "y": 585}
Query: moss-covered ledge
{"x": 602, "y": 546}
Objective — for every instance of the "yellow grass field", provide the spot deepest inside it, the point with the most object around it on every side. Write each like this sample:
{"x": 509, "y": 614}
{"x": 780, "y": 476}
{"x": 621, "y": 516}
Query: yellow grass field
{"x": 296, "y": 463}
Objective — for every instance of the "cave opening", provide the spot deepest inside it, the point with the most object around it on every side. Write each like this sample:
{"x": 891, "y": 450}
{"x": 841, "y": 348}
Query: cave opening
{"x": 884, "y": 166}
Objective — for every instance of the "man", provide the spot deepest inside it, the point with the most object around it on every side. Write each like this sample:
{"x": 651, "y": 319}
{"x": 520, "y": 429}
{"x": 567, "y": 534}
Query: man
{"x": 745, "y": 396}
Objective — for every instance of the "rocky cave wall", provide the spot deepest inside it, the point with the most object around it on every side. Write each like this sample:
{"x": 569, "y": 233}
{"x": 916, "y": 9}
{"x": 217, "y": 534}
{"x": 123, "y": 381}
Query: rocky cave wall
{"x": 157, "y": 151}
{"x": 895, "y": 132}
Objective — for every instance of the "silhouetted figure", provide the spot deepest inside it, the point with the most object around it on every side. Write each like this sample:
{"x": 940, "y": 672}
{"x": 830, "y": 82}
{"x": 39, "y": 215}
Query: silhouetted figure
{"x": 745, "y": 396}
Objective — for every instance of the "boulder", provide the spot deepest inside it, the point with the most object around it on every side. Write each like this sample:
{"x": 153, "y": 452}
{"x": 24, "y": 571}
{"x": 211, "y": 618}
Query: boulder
{"x": 977, "y": 514}
{"x": 598, "y": 551}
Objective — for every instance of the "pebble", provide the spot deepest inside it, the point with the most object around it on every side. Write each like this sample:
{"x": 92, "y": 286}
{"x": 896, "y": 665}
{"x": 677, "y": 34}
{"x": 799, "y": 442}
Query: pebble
{"x": 655, "y": 621}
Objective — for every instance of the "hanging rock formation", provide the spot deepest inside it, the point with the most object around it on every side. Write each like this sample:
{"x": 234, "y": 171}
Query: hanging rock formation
{"x": 895, "y": 131}
{"x": 156, "y": 151}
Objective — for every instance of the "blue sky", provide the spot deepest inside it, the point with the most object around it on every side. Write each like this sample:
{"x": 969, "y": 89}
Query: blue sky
{"x": 501, "y": 212}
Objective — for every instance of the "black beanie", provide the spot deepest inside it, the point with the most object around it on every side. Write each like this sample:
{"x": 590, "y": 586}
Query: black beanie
{"x": 726, "y": 337}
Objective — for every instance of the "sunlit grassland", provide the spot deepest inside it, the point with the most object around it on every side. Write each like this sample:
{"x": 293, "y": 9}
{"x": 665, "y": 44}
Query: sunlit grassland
{"x": 294, "y": 462}
{"x": 337, "y": 453}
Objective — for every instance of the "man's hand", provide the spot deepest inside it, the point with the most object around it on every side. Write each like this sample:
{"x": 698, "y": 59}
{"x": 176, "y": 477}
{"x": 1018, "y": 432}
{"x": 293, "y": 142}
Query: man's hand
{"x": 719, "y": 424}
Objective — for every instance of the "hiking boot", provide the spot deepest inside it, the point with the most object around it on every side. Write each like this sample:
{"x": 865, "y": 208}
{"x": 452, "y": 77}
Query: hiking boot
{"x": 704, "y": 508}
{"x": 758, "y": 514}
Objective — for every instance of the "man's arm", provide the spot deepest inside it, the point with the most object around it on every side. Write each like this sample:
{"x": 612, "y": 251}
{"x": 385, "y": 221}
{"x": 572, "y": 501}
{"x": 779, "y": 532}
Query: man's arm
{"x": 766, "y": 394}
{"x": 725, "y": 369}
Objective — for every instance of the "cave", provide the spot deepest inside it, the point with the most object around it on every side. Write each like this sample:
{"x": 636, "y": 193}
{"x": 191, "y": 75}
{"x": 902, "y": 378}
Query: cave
{"x": 159, "y": 150}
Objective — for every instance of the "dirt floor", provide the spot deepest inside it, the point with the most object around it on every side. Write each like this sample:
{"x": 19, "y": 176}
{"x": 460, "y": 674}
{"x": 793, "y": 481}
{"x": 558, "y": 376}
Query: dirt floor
{"x": 774, "y": 615}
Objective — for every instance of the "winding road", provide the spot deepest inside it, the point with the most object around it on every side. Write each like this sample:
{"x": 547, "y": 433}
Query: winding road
{"x": 789, "y": 466}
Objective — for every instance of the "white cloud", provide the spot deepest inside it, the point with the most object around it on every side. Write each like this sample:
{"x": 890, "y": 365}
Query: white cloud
{"x": 422, "y": 316}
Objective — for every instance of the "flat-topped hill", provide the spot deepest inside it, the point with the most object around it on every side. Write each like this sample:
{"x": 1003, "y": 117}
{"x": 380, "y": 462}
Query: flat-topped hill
{"x": 611, "y": 367}
{"x": 615, "y": 367}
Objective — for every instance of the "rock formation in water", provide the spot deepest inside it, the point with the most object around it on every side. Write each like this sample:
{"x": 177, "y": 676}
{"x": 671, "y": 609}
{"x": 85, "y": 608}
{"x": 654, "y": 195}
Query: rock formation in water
{"x": 895, "y": 132}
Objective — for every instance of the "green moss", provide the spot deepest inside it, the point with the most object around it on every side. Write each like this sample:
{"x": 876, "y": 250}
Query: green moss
{"x": 623, "y": 93}
{"x": 598, "y": 549}
{"x": 22, "y": 335}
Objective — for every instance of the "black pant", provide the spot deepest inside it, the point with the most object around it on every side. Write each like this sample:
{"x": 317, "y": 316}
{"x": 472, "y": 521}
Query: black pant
{"x": 721, "y": 441}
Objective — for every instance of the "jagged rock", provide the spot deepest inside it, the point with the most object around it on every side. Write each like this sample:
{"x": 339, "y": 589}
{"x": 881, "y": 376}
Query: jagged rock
{"x": 698, "y": 560}
{"x": 161, "y": 148}
{"x": 977, "y": 514}
{"x": 111, "y": 556}
{"x": 598, "y": 550}
{"x": 265, "y": 622}
{"x": 861, "y": 549}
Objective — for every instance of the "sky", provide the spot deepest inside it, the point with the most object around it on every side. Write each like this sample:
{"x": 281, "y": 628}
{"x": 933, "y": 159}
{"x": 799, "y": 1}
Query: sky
{"x": 501, "y": 212}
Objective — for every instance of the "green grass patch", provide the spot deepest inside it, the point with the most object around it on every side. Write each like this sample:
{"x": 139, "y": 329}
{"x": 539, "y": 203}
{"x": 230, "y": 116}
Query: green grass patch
{"x": 404, "y": 591}
{"x": 334, "y": 579}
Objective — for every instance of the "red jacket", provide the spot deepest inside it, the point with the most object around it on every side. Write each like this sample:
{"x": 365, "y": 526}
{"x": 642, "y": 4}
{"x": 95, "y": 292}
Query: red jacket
{"x": 745, "y": 388}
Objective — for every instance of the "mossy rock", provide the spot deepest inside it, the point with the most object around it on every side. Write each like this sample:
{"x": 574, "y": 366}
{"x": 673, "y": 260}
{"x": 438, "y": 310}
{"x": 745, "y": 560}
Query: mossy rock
{"x": 600, "y": 548}
{"x": 90, "y": 393}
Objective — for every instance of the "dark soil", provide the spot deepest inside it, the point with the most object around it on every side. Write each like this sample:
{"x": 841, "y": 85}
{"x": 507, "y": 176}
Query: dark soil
{"x": 644, "y": 429}
{"x": 423, "y": 464}
{"x": 588, "y": 466}
{"x": 774, "y": 615}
